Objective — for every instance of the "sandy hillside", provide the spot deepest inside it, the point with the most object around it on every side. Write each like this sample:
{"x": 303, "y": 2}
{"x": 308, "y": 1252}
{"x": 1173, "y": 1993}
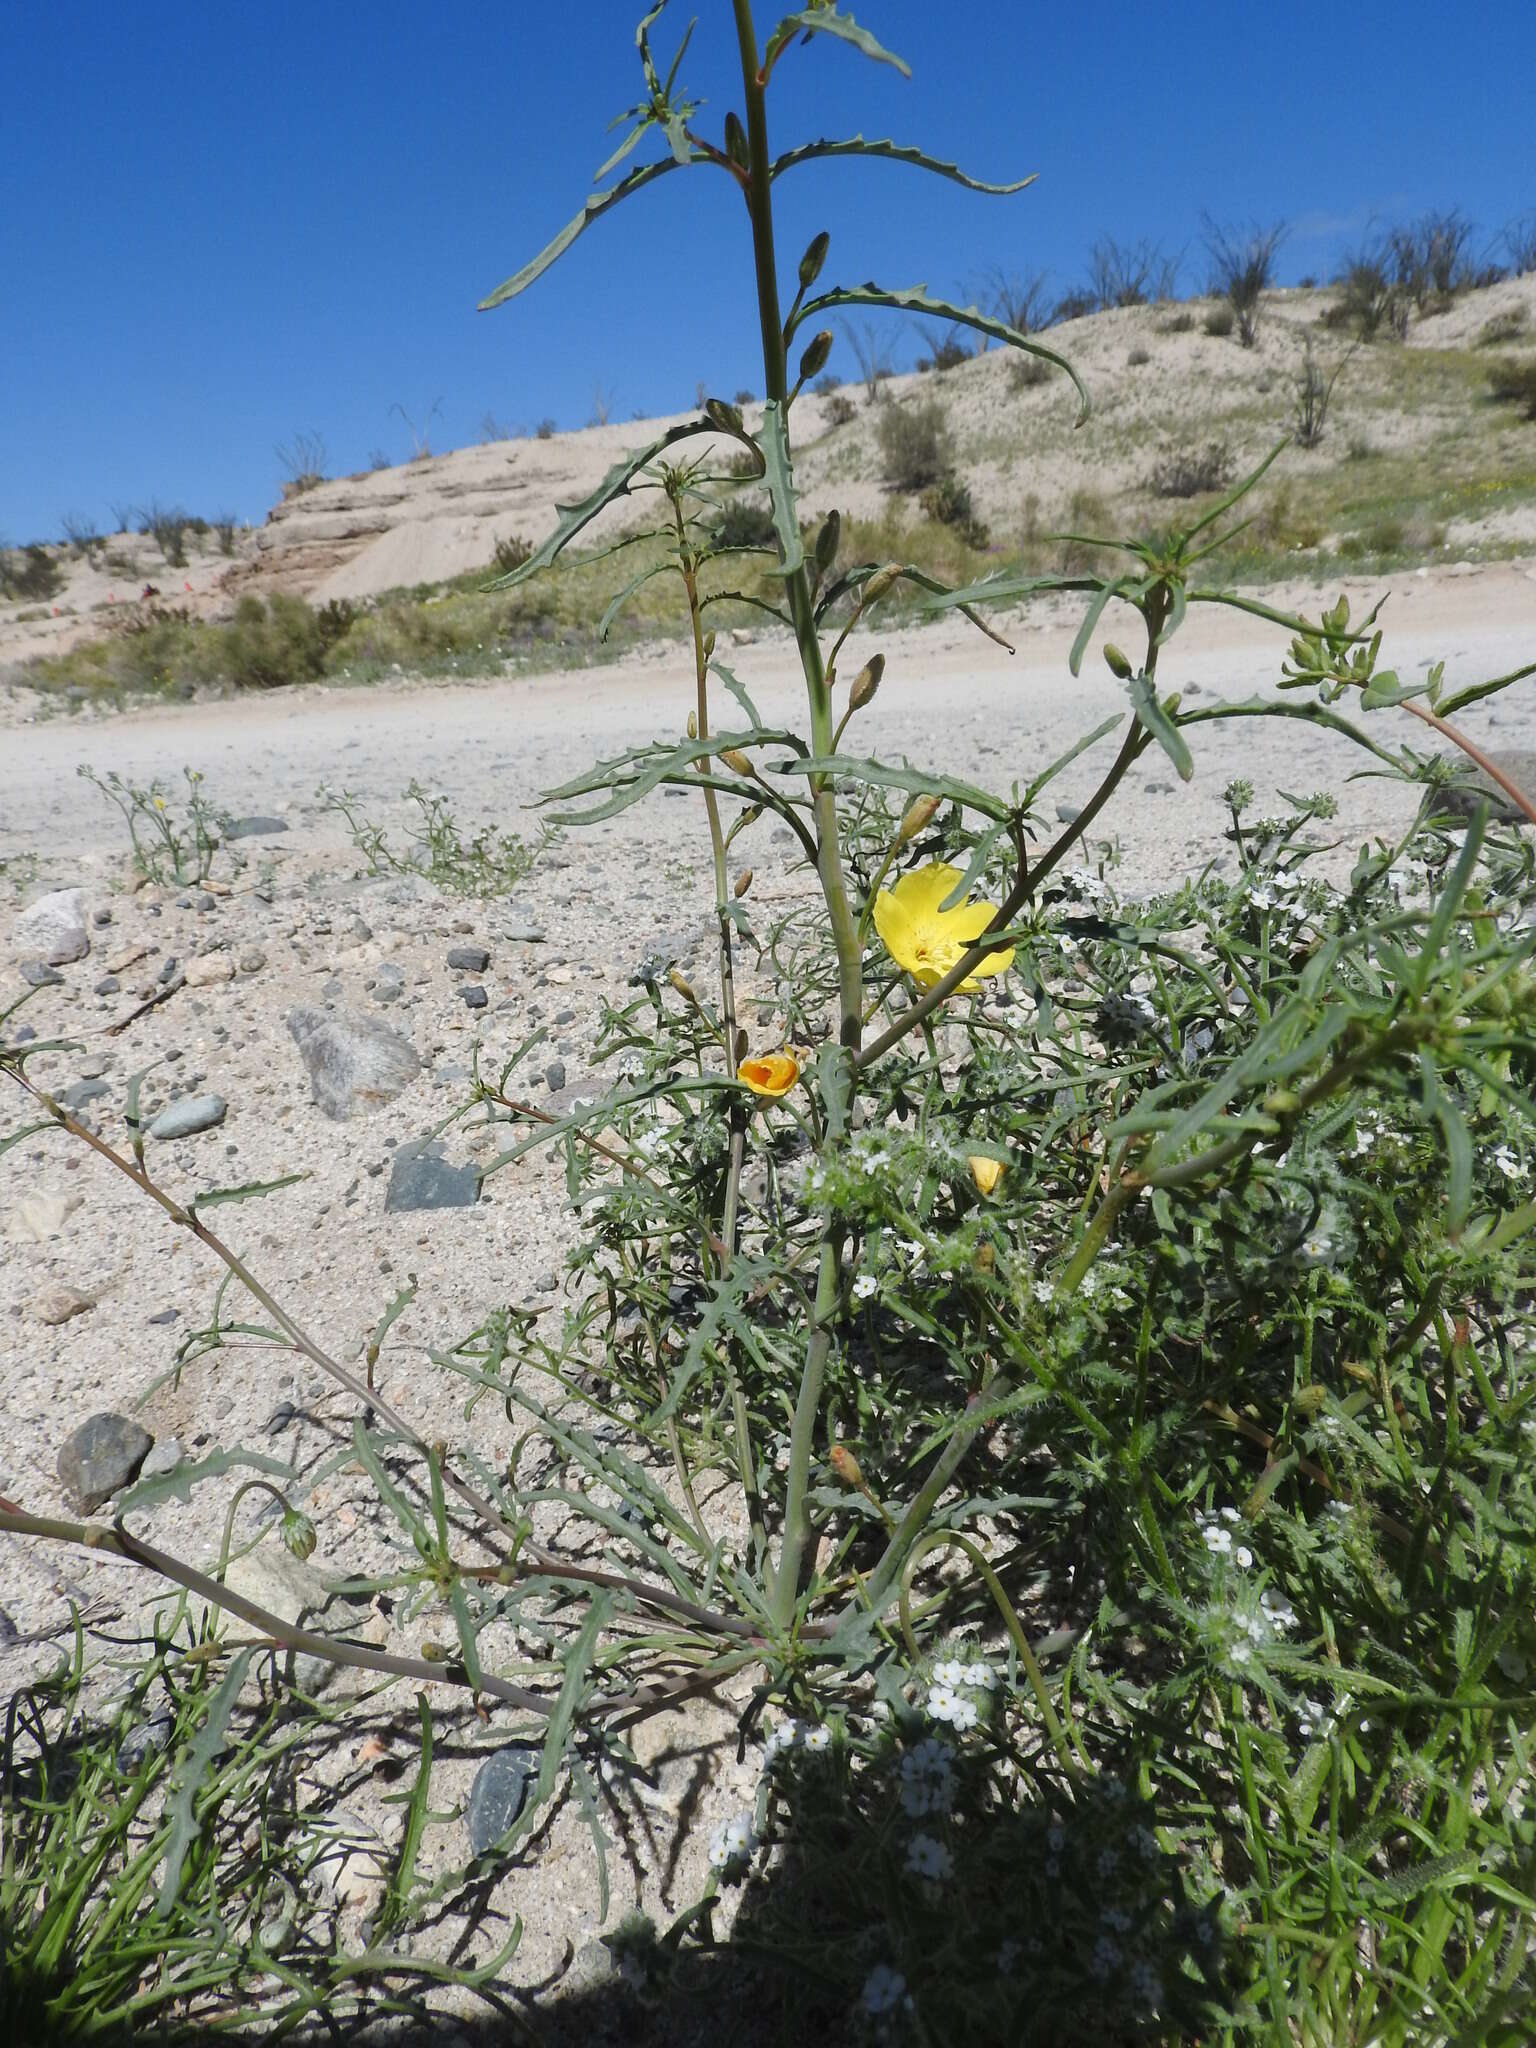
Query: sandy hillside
{"x": 1409, "y": 422}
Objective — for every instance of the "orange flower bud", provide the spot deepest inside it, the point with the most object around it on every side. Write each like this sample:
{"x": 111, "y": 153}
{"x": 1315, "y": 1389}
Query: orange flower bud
{"x": 845, "y": 1465}
{"x": 918, "y": 814}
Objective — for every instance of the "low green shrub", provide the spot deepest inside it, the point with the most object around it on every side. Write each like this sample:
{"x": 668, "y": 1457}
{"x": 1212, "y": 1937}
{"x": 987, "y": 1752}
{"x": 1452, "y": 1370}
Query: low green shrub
{"x": 916, "y": 449}
{"x": 30, "y": 573}
{"x": 1187, "y": 473}
{"x": 1513, "y": 382}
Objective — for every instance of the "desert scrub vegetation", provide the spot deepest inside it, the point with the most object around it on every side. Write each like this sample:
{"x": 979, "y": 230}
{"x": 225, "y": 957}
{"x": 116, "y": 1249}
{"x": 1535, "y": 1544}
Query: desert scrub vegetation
{"x": 1056, "y": 1355}
{"x": 1513, "y": 382}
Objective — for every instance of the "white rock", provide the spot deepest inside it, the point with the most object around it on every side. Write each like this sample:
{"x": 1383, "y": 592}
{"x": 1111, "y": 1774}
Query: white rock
{"x": 57, "y": 1305}
{"x": 36, "y": 1218}
{"x": 53, "y": 928}
{"x": 208, "y": 969}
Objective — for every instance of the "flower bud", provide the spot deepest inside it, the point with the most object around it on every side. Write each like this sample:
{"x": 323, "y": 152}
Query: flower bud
{"x": 298, "y": 1534}
{"x": 682, "y": 984}
{"x": 985, "y": 1172}
{"x": 709, "y": 644}
{"x": 880, "y": 583}
{"x": 693, "y": 725}
{"x": 1119, "y": 664}
{"x": 814, "y": 360}
{"x": 726, "y": 417}
{"x": 813, "y": 259}
{"x": 736, "y": 142}
{"x": 736, "y": 761}
{"x": 866, "y": 682}
{"x": 919, "y": 812}
{"x": 845, "y": 1465}
{"x": 826, "y": 541}
{"x": 743, "y": 883}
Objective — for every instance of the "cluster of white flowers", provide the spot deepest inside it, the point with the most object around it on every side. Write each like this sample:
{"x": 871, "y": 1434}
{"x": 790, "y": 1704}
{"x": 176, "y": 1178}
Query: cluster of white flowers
{"x": 1507, "y": 1160}
{"x": 818, "y": 1739}
{"x": 928, "y": 1778}
{"x": 1216, "y": 1527}
{"x": 732, "y": 1842}
{"x": 885, "y": 1991}
{"x": 1313, "y": 1718}
{"x": 930, "y": 1859}
{"x": 781, "y": 1737}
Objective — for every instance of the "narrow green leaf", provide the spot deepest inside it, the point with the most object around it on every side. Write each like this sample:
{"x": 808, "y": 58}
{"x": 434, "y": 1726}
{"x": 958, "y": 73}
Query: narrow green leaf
{"x": 738, "y": 690}
{"x": 826, "y": 21}
{"x": 1160, "y": 725}
{"x": 894, "y": 152}
{"x": 1091, "y": 617}
{"x": 616, "y": 604}
{"x": 247, "y": 1192}
{"x": 402, "y": 1878}
{"x": 918, "y": 299}
{"x": 389, "y": 1493}
{"x": 178, "y": 1483}
{"x": 202, "y": 1753}
{"x": 597, "y": 205}
{"x": 884, "y": 775}
{"x": 774, "y": 445}
{"x": 615, "y": 485}
{"x": 1046, "y": 775}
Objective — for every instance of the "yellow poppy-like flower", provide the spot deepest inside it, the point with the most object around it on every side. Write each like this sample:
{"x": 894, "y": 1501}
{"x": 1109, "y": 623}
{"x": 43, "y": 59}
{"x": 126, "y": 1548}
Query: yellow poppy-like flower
{"x": 985, "y": 1172}
{"x": 771, "y": 1073}
{"x": 926, "y": 940}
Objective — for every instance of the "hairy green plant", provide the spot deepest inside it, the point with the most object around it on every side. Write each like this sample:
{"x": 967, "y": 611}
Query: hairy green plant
{"x": 489, "y": 863}
{"x": 169, "y": 847}
{"x": 1069, "y": 1352}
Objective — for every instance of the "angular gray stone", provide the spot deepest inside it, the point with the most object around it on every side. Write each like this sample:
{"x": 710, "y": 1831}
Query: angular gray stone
{"x": 497, "y": 1796}
{"x": 554, "y": 1076}
{"x": 193, "y": 1113}
{"x": 53, "y": 928}
{"x": 469, "y": 959}
{"x": 144, "y": 1741}
{"x": 165, "y": 1457}
{"x": 355, "y": 1063}
{"x": 103, "y": 1455}
{"x": 1462, "y": 797}
{"x": 81, "y": 1093}
{"x": 473, "y": 996}
{"x": 423, "y": 1179}
{"x": 524, "y": 934}
{"x": 254, "y": 828}
{"x": 107, "y": 986}
{"x": 38, "y": 974}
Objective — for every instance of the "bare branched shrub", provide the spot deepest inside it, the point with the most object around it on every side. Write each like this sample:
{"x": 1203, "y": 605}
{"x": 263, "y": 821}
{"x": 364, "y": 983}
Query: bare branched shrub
{"x": 1502, "y": 328}
{"x": 1370, "y": 301}
{"x": 872, "y": 353}
{"x": 915, "y": 445}
{"x": 421, "y": 446}
{"x": 1125, "y": 274}
{"x": 1017, "y": 298}
{"x": 1073, "y": 305}
{"x": 1519, "y": 240}
{"x": 1243, "y": 269}
{"x": 946, "y": 351}
{"x": 1314, "y": 395}
{"x": 224, "y": 527}
{"x": 79, "y": 529}
{"x": 511, "y": 551}
{"x": 840, "y": 409}
{"x": 1187, "y": 473}
{"x": 167, "y": 526}
{"x": 545, "y": 430}
{"x": 303, "y": 461}
{"x": 1027, "y": 373}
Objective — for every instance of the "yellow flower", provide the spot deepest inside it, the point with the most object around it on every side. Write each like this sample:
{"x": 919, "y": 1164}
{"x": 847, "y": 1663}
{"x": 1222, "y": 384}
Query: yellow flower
{"x": 926, "y": 940}
{"x": 985, "y": 1172}
{"x": 771, "y": 1073}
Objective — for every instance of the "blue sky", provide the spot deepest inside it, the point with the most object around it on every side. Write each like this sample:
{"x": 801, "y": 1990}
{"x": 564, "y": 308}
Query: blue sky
{"x": 223, "y": 226}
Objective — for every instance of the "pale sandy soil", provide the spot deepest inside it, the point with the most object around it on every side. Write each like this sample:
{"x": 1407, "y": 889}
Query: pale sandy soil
{"x": 603, "y": 899}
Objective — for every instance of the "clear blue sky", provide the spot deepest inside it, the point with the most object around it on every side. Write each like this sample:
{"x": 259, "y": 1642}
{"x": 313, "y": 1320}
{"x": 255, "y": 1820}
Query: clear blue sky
{"x": 222, "y": 225}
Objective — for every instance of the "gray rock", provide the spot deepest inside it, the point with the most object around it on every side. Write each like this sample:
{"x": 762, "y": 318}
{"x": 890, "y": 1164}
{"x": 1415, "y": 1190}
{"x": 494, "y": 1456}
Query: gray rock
{"x": 423, "y": 1179}
{"x": 254, "y": 828}
{"x": 82, "y": 1093}
{"x": 355, "y": 1063}
{"x": 498, "y": 1794}
{"x": 104, "y": 1454}
{"x": 565, "y": 1016}
{"x": 252, "y": 960}
{"x": 1068, "y": 814}
{"x": 1461, "y": 798}
{"x": 554, "y": 1076}
{"x": 524, "y": 934}
{"x": 37, "y": 974}
{"x": 102, "y": 916}
{"x": 469, "y": 959}
{"x": 203, "y": 901}
{"x": 144, "y": 1741}
{"x": 165, "y": 1456}
{"x": 281, "y": 1417}
{"x": 53, "y": 928}
{"x": 169, "y": 967}
{"x": 473, "y": 997}
{"x": 162, "y": 1318}
{"x": 108, "y": 985}
{"x": 94, "y": 1065}
{"x": 193, "y": 1113}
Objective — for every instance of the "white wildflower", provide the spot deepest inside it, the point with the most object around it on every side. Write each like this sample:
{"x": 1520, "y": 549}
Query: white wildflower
{"x": 782, "y": 1737}
{"x": 884, "y": 1990}
{"x": 982, "y": 1676}
{"x": 943, "y": 1702}
{"x": 1277, "y": 1610}
{"x": 1242, "y": 1557}
{"x": 732, "y": 1842}
{"x": 864, "y": 1286}
{"x": 950, "y": 1672}
{"x": 930, "y": 1859}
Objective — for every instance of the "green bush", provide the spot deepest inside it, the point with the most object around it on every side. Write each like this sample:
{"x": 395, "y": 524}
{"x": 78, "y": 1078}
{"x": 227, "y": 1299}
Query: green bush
{"x": 283, "y": 641}
{"x": 30, "y": 573}
{"x": 1187, "y": 473}
{"x": 948, "y": 503}
{"x": 745, "y": 522}
{"x": 1027, "y": 372}
{"x": 1219, "y": 322}
{"x": 1514, "y": 383}
{"x": 915, "y": 445}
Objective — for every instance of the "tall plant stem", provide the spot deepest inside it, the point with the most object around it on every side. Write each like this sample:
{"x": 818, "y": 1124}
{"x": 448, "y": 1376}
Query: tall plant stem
{"x": 837, "y": 1078}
